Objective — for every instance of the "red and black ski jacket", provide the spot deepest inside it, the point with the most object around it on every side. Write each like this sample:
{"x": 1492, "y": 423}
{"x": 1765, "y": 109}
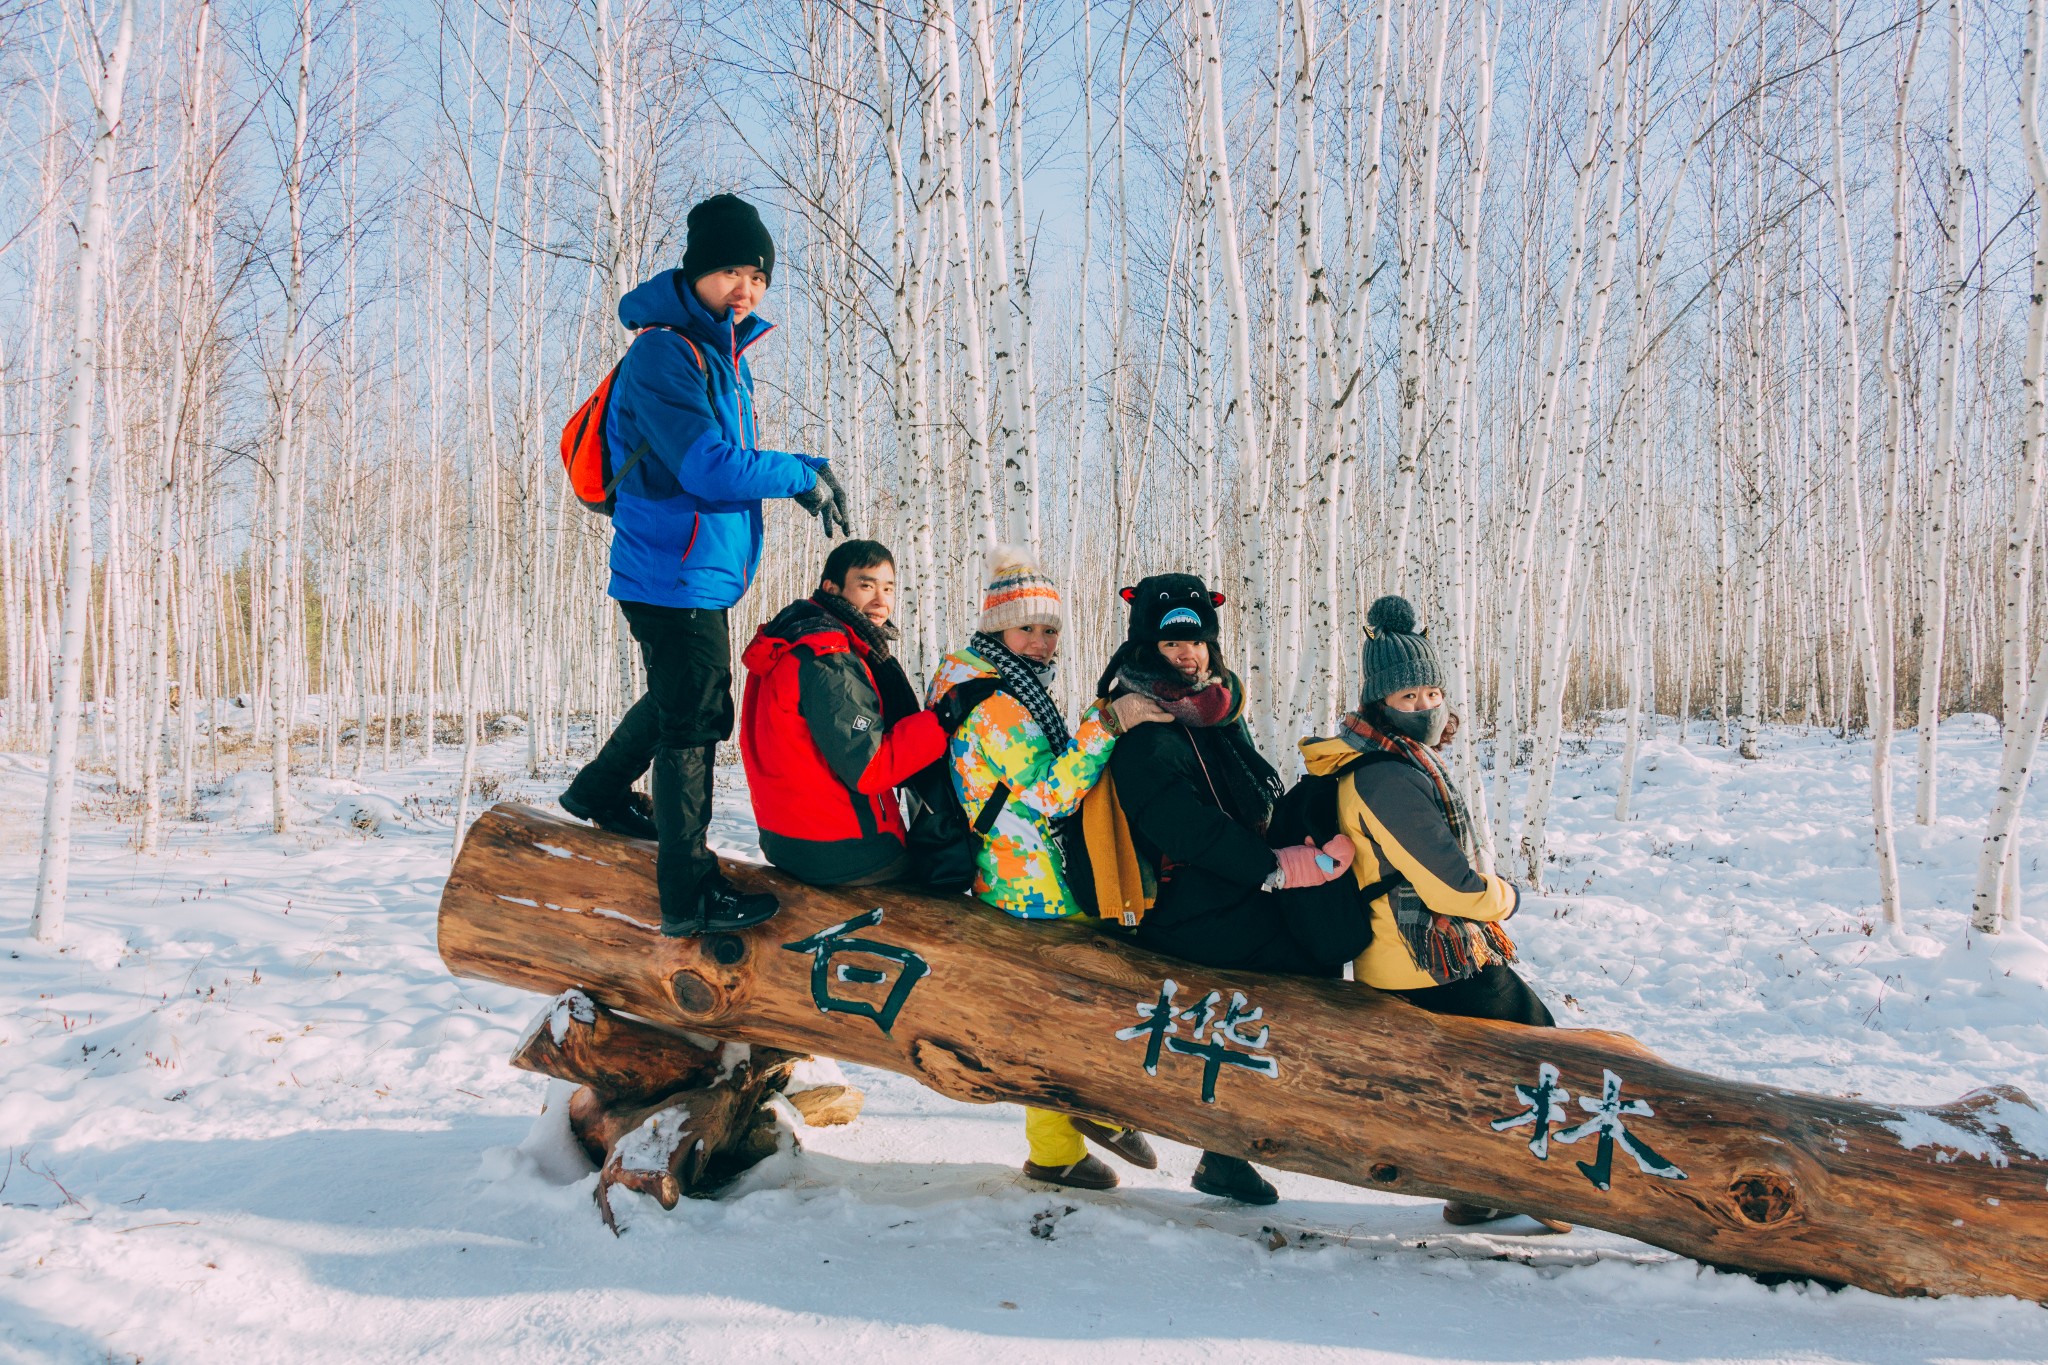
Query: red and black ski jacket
{"x": 828, "y": 730}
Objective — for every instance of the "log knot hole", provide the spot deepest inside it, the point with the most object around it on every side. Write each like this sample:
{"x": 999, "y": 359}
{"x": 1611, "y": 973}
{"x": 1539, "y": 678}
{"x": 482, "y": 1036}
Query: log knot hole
{"x": 1763, "y": 1198}
{"x": 1380, "y": 1173}
{"x": 727, "y": 950}
{"x": 694, "y": 995}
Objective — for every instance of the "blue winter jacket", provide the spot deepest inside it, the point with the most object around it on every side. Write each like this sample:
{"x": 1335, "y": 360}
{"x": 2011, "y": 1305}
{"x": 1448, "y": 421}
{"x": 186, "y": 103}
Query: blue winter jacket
{"x": 686, "y": 527}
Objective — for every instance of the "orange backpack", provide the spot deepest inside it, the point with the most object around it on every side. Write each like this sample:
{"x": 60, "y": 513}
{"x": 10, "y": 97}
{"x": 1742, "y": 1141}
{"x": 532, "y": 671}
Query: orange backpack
{"x": 593, "y": 475}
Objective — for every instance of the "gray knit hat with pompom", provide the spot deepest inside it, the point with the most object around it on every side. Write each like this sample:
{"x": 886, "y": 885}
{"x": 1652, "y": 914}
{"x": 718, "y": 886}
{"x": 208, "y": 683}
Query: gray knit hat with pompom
{"x": 1398, "y": 656}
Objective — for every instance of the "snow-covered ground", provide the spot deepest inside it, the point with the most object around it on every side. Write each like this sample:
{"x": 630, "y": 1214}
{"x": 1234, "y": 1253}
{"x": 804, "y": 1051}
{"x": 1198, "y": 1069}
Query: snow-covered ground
{"x": 248, "y": 1116}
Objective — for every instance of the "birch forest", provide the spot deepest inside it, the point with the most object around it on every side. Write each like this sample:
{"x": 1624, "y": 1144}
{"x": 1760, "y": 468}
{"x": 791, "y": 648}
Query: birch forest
{"x": 1681, "y": 359}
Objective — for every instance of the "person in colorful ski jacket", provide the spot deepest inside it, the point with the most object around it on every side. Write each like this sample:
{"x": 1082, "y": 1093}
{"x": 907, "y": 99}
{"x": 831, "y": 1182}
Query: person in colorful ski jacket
{"x": 686, "y": 540}
{"x": 1437, "y": 936}
{"x": 830, "y": 727}
{"x": 1015, "y": 748}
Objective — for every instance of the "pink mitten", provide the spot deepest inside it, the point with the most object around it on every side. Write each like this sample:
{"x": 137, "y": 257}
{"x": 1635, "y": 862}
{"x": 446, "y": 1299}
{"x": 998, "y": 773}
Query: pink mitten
{"x": 1298, "y": 866}
{"x": 1340, "y": 852}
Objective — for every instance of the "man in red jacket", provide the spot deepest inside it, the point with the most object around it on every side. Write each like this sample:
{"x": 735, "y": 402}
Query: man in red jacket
{"x": 830, "y": 726}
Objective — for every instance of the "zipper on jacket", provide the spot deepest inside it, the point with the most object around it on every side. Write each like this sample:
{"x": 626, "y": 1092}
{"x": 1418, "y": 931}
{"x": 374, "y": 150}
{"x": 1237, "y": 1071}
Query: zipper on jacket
{"x": 696, "y": 523}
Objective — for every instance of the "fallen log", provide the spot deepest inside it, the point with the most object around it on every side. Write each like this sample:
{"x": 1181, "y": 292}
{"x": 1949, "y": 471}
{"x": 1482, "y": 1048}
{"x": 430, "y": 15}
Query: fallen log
{"x": 1322, "y": 1077}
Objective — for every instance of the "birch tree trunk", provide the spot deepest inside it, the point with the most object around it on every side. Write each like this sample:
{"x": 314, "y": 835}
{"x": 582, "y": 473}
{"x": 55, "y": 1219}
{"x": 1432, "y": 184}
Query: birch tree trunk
{"x": 966, "y": 289}
{"x": 1997, "y": 896}
{"x": 106, "y": 76}
{"x": 1850, "y": 415}
{"x": 1557, "y": 652}
{"x": 1522, "y": 563}
{"x": 286, "y": 397}
{"x": 183, "y": 360}
{"x": 1251, "y": 478}
{"x": 1934, "y": 565}
{"x": 1415, "y": 293}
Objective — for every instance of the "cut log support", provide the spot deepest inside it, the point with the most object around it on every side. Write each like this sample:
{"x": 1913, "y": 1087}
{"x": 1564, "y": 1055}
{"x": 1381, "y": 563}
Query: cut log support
{"x": 656, "y": 1110}
{"x": 1323, "y": 1077}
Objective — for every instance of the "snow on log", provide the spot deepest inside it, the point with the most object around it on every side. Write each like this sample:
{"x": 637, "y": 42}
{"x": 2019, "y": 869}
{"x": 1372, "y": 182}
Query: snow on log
{"x": 1323, "y": 1077}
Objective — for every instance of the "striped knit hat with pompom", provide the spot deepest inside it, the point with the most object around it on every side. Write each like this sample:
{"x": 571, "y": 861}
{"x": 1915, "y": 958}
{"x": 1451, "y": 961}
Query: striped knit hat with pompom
{"x": 1019, "y": 594}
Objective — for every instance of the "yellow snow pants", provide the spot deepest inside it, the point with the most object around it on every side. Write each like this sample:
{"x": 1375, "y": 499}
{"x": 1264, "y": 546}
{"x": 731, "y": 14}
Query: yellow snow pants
{"x": 1053, "y": 1138}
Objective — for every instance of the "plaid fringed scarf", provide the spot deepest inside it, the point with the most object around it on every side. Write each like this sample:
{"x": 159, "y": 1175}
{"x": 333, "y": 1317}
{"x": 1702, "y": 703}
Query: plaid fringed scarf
{"x": 1446, "y": 947}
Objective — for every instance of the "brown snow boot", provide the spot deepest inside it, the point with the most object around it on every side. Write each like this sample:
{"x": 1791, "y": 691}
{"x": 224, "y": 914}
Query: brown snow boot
{"x": 1232, "y": 1177}
{"x": 1469, "y": 1215}
{"x": 1127, "y": 1143}
{"x": 1089, "y": 1173}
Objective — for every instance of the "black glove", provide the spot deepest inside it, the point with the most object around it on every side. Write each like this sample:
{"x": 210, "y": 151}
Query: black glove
{"x": 837, "y": 510}
{"x": 954, "y": 708}
{"x": 817, "y": 499}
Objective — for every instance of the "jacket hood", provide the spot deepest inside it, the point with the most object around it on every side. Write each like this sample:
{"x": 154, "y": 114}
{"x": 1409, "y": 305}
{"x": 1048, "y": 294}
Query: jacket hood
{"x": 1325, "y": 756}
{"x": 802, "y": 620}
{"x": 666, "y": 300}
{"x": 957, "y": 668}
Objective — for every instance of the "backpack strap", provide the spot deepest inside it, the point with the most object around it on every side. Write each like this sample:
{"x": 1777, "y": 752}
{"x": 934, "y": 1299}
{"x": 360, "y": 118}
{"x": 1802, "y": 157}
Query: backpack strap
{"x": 979, "y": 690}
{"x": 642, "y": 449}
{"x": 1372, "y": 891}
{"x": 992, "y": 809}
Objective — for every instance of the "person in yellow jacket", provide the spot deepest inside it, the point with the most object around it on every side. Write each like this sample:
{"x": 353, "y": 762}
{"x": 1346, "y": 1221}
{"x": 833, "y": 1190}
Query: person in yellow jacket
{"x": 1437, "y": 935}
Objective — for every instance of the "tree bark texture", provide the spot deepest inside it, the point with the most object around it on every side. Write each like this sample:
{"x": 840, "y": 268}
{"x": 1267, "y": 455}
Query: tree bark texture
{"x": 1323, "y": 1077}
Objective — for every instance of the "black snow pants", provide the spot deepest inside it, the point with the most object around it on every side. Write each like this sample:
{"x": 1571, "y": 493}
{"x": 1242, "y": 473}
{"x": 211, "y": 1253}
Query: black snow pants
{"x": 675, "y": 728}
{"x": 1310, "y": 931}
{"x": 1493, "y": 992}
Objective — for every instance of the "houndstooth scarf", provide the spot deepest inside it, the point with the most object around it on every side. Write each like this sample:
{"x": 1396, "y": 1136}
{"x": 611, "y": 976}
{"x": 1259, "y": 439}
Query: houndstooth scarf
{"x": 1025, "y": 679}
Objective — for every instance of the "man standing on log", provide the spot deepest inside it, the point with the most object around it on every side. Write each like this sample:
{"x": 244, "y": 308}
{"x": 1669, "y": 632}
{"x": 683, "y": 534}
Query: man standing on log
{"x": 830, "y": 727}
{"x": 686, "y": 540}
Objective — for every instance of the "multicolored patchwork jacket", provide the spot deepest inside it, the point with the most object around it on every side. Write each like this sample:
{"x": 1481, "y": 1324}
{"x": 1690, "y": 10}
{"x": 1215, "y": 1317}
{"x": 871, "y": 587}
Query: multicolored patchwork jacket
{"x": 1020, "y": 870}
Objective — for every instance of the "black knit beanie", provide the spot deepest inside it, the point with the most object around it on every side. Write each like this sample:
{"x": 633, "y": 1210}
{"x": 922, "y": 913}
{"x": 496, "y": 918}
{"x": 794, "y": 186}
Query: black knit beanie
{"x": 725, "y": 230}
{"x": 1398, "y": 656}
{"x": 1172, "y": 606}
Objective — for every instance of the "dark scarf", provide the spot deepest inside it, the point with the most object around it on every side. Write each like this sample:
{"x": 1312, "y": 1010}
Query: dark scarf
{"x": 892, "y": 685}
{"x": 1214, "y": 702}
{"x": 876, "y": 638}
{"x": 1442, "y": 945}
{"x": 1025, "y": 679}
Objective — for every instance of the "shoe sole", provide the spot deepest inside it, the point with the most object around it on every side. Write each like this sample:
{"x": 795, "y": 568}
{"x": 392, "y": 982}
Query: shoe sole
{"x": 1065, "y": 1184}
{"x": 1252, "y": 1201}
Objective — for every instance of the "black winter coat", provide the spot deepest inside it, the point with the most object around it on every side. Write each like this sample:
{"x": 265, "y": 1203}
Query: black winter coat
{"x": 1170, "y": 781}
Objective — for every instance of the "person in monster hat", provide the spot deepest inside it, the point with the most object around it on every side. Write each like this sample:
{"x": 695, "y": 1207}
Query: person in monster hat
{"x": 1175, "y": 833}
{"x": 1436, "y": 938}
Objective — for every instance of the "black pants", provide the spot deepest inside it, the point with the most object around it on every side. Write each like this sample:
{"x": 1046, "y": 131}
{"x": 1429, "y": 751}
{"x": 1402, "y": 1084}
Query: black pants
{"x": 675, "y": 728}
{"x": 1493, "y": 992}
{"x": 1310, "y": 931}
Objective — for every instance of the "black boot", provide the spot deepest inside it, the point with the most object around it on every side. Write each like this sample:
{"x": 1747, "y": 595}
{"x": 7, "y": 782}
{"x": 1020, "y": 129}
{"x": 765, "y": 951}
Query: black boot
{"x": 722, "y": 908}
{"x": 695, "y": 899}
{"x": 631, "y": 815}
{"x": 1230, "y": 1177}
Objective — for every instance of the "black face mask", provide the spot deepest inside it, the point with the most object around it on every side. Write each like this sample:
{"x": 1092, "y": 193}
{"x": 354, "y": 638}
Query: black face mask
{"x": 1424, "y": 727}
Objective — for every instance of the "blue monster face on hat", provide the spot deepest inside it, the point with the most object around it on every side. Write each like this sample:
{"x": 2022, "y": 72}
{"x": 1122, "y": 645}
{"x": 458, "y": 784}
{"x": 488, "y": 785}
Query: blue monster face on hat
{"x": 1172, "y": 606}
